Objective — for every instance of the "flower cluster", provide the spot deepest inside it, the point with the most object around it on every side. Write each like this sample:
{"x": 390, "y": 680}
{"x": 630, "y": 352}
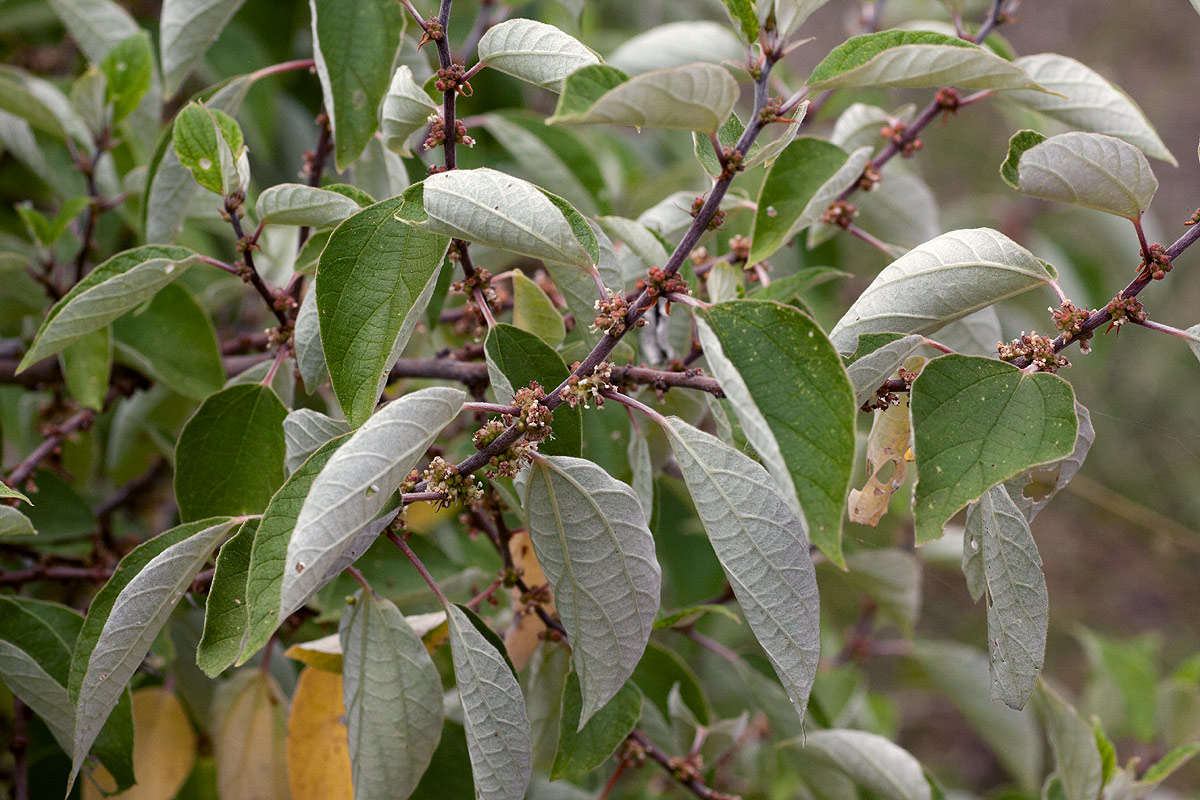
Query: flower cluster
{"x": 1159, "y": 264}
{"x": 840, "y": 214}
{"x": 1124, "y": 309}
{"x": 442, "y": 476}
{"x": 580, "y": 390}
{"x": 1035, "y": 347}
{"x": 611, "y": 318}
{"x": 1070, "y": 318}
{"x": 718, "y": 219}
{"x": 453, "y": 79}
{"x": 508, "y": 462}
{"x": 433, "y": 32}
{"x": 896, "y": 133}
{"x": 533, "y": 418}
{"x": 869, "y": 179}
{"x": 739, "y": 249}
{"x": 731, "y": 162}
{"x": 437, "y": 133}
{"x": 657, "y": 283}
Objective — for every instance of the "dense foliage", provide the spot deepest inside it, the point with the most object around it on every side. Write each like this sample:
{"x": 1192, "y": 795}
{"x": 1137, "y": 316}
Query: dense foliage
{"x": 527, "y": 445}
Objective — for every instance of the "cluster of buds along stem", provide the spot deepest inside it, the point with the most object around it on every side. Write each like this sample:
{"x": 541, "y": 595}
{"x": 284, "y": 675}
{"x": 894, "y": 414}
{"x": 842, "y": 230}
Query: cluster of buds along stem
{"x": 869, "y": 179}
{"x": 453, "y": 79}
{"x": 1124, "y": 309}
{"x": 442, "y": 476}
{"x": 718, "y": 218}
{"x": 437, "y": 133}
{"x": 1038, "y": 349}
{"x": 840, "y": 214}
{"x": 533, "y": 418}
{"x": 1069, "y": 319}
{"x": 433, "y": 32}
{"x": 739, "y": 250}
{"x": 657, "y": 283}
{"x": 1159, "y": 264}
{"x": 279, "y": 336}
{"x": 479, "y": 279}
{"x": 772, "y": 111}
{"x": 897, "y": 134}
{"x": 731, "y": 162}
{"x": 510, "y": 461}
{"x": 581, "y": 390}
{"x": 948, "y": 99}
{"x": 612, "y": 313}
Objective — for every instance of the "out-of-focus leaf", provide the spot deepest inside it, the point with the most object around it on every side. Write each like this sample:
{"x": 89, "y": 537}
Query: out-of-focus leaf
{"x": 318, "y": 755}
{"x": 582, "y": 748}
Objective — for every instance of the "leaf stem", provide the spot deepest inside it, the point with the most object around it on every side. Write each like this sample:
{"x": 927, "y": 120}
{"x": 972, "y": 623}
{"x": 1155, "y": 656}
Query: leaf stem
{"x": 629, "y": 402}
{"x": 395, "y": 539}
{"x": 1167, "y": 329}
{"x": 859, "y": 233}
{"x": 250, "y": 274}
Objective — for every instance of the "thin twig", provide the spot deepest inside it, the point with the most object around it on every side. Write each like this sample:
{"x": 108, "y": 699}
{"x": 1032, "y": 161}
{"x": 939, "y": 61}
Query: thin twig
{"x": 395, "y": 539}
{"x": 250, "y": 274}
{"x": 690, "y": 782}
{"x": 77, "y": 422}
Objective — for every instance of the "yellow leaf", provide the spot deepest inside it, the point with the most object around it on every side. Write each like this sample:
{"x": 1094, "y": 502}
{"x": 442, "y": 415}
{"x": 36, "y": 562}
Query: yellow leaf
{"x": 522, "y": 637}
{"x": 249, "y": 740}
{"x": 324, "y": 653}
{"x": 164, "y": 749}
{"x": 318, "y": 752}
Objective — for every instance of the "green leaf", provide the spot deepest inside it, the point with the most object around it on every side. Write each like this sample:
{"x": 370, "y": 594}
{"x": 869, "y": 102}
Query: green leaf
{"x": 1132, "y": 666}
{"x": 804, "y": 180}
{"x": 300, "y": 204}
{"x": 695, "y": 97}
{"x": 120, "y": 284}
{"x": 36, "y": 638}
{"x": 7, "y": 492}
{"x": 1084, "y": 169}
{"x": 130, "y": 621}
{"x": 1077, "y": 762}
{"x": 742, "y": 14}
{"x": 940, "y": 281}
{"x": 14, "y": 523}
{"x": 762, "y": 546}
{"x": 535, "y": 52}
{"x": 590, "y": 537}
{"x": 662, "y": 669}
{"x": 225, "y": 608}
{"x": 582, "y": 748}
{"x": 306, "y": 342}
{"x": 86, "y": 365}
{"x": 556, "y": 158}
{"x": 1018, "y": 609}
{"x": 229, "y": 459}
{"x": 187, "y": 29}
{"x": 791, "y": 287}
{"x": 893, "y": 578}
{"x": 375, "y": 278}
{"x": 915, "y": 59}
{"x": 393, "y": 699}
{"x": 305, "y": 431}
{"x": 354, "y": 44}
{"x": 516, "y": 359}
{"x": 209, "y": 144}
{"x": 978, "y": 422}
{"x": 785, "y": 16}
{"x": 791, "y": 393}
{"x": 859, "y": 124}
{"x": 1162, "y": 769}
{"x": 1088, "y": 102}
{"x": 128, "y": 73}
{"x": 677, "y": 44}
{"x": 498, "y": 210}
{"x": 1108, "y": 751}
{"x": 688, "y": 616}
{"x": 1033, "y": 489}
{"x": 642, "y": 244}
{"x": 542, "y": 684}
{"x": 189, "y": 360}
{"x": 25, "y": 97}
{"x": 1193, "y": 344}
{"x": 960, "y": 673}
{"x": 728, "y": 134}
{"x": 48, "y": 232}
{"x": 534, "y": 312}
{"x": 868, "y": 372}
{"x": 406, "y": 110}
{"x": 95, "y": 25}
{"x": 264, "y": 575}
{"x": 357, "y": 482}
{"x": 871, "y": 761}
{"x": 498, "y": 733}
{"x": 1018, "y": 143}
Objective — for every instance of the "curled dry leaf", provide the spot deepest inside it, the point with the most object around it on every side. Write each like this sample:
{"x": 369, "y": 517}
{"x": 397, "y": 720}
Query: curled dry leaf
{"x": 888, "y": 456}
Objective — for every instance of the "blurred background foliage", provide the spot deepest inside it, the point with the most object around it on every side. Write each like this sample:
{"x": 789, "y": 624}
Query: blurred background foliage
{"x": 1121, "y": 546}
